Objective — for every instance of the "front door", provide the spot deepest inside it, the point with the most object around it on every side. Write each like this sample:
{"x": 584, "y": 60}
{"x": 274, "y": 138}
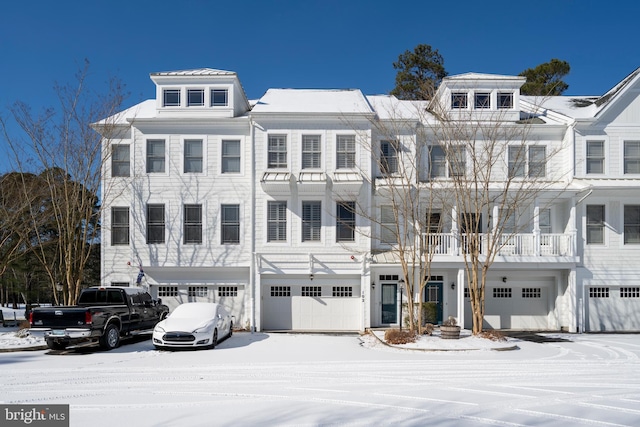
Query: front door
{"x": 389, "y": 303}
{"x": 433, "y": 298}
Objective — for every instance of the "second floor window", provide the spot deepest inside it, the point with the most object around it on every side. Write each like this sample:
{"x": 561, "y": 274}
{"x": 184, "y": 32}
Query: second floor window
{"x": 155, "y": 156}
{"x": 595, "y": 224}
{"x": 119, "y": 226}
{"x": 277, "y": 221}
{"x": 155, "y": 223}
{"x": 631, "y": 157}
{"x": 437, "y": 162}
{"x": 345, "y": 151}
{"x": 230, "y": 224}
{"x": 388, "y": 157}
{"x": 193, "y": 156}
{"x": 311, "y": 151}
{"x": 595, "y": 157}
{"x": 631, "y": 224}
{"x": 277, "y": 151}
{"x": 345, "y": 221}
{"x": 517, "y": 161}
{"x": 120, "y": 160}
{"x": 537, "y": 161}
{"x": 230, "y": 156}
{"x": 311, "y": 221}
{"x": 457, "y": 161}
{"x": 387, "y": 225}
{"x": 192, "y": 224}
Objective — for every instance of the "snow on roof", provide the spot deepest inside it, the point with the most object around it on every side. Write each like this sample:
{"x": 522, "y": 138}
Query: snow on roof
{"x": 343, "y": 101}
{"x": 388, "y": 107}
{"x": 483, "y": 76}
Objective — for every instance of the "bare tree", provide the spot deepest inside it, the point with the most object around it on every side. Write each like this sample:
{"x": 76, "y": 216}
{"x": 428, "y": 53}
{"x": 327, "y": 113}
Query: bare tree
{"x": 62, "y": 145}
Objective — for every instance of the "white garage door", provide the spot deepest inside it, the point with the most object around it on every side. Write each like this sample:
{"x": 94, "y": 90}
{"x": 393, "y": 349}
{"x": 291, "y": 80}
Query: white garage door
{"x": 613, "y": 308}
{"x": 525, "y": 306}
{"x": 311, "y": 308}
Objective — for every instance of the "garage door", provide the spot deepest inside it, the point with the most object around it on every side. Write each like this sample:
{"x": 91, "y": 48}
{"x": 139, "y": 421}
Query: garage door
{"x": 613, "y": 308}
{"x": 311, "y": 308}
{"x": 525, "y": 306}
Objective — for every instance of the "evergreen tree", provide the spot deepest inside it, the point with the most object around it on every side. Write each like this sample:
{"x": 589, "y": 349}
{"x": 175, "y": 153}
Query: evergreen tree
{"x": 419, "y": 73}
{"x": 546, "y": 79}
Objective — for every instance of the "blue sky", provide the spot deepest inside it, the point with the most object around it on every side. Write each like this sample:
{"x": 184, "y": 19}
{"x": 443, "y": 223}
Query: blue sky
{"x": 307, "y": 43}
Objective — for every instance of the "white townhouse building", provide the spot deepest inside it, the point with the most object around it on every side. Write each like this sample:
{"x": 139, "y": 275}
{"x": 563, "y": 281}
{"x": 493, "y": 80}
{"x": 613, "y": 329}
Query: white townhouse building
{"x": 257, "y": 204}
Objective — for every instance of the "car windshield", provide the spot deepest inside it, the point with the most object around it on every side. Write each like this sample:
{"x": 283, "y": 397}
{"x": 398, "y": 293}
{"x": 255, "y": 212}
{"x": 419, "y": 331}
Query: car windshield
{"x": 194, "y": 310}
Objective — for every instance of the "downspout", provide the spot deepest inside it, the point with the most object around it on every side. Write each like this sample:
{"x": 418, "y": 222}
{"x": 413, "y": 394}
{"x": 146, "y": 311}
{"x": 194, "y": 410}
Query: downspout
{"x": 252, "y": 265}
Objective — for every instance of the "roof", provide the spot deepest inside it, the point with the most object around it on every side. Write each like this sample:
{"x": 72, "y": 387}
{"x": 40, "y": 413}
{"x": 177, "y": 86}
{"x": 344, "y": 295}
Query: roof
{"x": 483, "y": 76}
{"x": 388, "y": 107}
{"x": 195, "y": 72}
{"x": 336, "y": 101}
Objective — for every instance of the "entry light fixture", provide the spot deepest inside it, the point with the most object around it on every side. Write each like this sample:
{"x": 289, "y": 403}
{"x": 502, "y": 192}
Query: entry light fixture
{"x": 453, "y": 285}
{"x": 311, "y": 276}
{"x": 504, "y": 279}
{"x": 373, "y": 285}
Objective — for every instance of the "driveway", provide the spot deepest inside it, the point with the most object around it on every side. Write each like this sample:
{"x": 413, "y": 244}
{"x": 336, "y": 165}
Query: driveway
{"x": 300, "y": 379}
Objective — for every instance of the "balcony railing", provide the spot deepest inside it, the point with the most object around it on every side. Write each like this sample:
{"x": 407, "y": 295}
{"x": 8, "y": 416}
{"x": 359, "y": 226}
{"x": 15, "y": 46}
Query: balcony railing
{"x": 527, "y": 244}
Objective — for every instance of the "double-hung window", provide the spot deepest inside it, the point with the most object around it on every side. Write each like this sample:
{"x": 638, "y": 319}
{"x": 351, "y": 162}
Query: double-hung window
{"x": 537, "y": 161}
{"x": 437, "y": 162}
{"x": 631, "y": 224}
{"x": 230, "y": 156}
{"x": 119, "y": 226}
{"x": 277, "y": 221}
{"x": 631, "y": 157}
{"x": 192, "y": 224}
{"x": 219, "y": 97}
{"x": 195, "y": 97}
{"x": 230, "y": 224}
{"x": 458, "y": 161}
{"x": 345, "y": 151}
{"x": 155, "y": 223}
{"x": 277, "y": 151}
{"x": 388, "y": 225}
{"x": 311, "y": 221}
{"x": 388, "y": 157}
{"x": 595, "y": 157}
{"x": 595, "y": 224}
{"x": 171, "y": 98}
{"x": 120, "y": 160}
{"x": 517, "y": 161}
{"x": 155, "y": 156}
{"x": 311, "y": 152}
{"x": 193, "y": 156}
{"x": 345, "y": 221}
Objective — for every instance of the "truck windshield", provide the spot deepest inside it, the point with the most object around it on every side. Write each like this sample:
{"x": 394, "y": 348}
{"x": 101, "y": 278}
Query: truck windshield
{"x": 101, "y": 296}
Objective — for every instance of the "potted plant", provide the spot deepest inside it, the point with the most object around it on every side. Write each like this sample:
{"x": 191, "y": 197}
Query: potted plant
{"x": 450, "y": 329}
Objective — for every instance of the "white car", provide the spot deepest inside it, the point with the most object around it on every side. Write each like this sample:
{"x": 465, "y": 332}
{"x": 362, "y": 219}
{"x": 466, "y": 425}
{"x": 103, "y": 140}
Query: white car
{"x": 193, "y": 325}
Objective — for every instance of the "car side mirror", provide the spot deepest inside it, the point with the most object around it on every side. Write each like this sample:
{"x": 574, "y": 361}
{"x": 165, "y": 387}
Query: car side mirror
{"x": 159, "y": 300}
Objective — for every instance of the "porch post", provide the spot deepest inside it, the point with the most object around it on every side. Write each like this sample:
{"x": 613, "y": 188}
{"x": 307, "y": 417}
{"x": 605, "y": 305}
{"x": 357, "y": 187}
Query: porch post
{"x": 536, "y": 228}
{"x": 454, "y": 231}
{"x": 460, "y": 297}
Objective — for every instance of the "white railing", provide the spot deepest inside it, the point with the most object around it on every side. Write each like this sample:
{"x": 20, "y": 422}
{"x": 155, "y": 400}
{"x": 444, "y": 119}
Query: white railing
{"x": 526, "y": 244}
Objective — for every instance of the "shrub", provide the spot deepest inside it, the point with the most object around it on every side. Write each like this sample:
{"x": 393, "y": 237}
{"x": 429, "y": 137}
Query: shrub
{"x": 428, "y": 329}
{"x": 492, "y": 335}
{"x": 396, "y": 336}
{"x": 451, "y": 321}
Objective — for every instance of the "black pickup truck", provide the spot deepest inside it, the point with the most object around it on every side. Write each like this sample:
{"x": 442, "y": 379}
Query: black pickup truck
{"x": 102, "y": 315}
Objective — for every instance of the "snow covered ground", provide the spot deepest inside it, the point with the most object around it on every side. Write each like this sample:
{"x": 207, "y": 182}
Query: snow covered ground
{"x": 330, "y": 380}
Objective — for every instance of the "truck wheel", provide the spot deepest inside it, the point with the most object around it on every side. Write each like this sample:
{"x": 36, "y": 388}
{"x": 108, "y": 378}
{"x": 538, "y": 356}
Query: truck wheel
{"x": 111, "y": 337}
{"x": 56, "y": 345}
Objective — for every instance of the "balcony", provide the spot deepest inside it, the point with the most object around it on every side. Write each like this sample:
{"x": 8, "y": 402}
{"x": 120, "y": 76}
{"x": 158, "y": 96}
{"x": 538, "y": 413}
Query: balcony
{"x": 524, "y": 245}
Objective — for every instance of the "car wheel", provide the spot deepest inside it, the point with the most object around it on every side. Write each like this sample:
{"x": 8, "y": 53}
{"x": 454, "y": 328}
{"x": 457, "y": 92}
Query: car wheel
{"x": 111, "y": 337}
{"x": 214, "y": 339}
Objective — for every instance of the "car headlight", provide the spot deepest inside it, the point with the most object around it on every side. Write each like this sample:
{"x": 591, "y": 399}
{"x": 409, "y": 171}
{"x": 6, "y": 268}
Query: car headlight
{"x": 158, "y": 329}
{"x": 204, "y": 328}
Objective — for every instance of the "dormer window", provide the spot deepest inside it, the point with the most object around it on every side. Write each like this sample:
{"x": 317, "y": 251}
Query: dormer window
{"x": 171, "y": 98}
{"x": 482, "y": 100}
{"x": 195, "y": 97}
{"x": 458, "y": 100}
{"x": 505, "y": 100}
{"x": 219, "y": 97}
